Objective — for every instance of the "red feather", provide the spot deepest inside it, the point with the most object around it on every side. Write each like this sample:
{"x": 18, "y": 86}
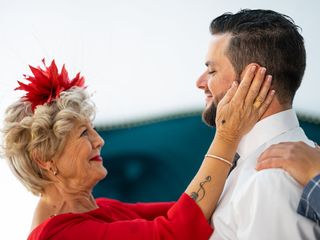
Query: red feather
{"x": 47, "y": 84}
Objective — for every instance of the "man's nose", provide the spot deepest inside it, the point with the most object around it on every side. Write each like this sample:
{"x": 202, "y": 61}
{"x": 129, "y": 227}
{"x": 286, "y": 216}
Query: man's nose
{"x": 202, "y": 80}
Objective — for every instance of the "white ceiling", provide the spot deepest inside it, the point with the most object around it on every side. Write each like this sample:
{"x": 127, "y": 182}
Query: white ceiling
{"x": 140, "y": 58}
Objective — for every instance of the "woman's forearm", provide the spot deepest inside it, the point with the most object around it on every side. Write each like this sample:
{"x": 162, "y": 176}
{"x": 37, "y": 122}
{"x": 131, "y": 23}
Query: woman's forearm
{"x": 208, "y": 183}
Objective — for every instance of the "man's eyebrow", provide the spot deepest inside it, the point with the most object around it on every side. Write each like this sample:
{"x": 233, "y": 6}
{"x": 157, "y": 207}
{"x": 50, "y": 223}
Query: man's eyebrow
{"x": 209, "y": 63}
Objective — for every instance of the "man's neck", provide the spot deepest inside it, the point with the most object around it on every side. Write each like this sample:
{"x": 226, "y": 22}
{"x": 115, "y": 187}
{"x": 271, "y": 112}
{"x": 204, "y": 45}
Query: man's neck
{"x": 275, "y": 107}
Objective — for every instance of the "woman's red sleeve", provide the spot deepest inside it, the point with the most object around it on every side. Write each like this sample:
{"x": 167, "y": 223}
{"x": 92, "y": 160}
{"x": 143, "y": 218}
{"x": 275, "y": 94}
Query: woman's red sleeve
{"x": 184, "y": 220}
{"x": 148, "y": 211}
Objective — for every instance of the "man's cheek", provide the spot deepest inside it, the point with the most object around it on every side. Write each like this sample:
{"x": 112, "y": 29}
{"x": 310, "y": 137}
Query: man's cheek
{"x": 219, "y": 97}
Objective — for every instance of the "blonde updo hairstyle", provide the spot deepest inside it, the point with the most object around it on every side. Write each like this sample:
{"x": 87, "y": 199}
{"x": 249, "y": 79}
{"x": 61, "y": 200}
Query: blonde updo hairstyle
{"x": 32, "y": 137}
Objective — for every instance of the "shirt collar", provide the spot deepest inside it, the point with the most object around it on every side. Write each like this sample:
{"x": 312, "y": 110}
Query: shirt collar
{"x": 266, "y": 129}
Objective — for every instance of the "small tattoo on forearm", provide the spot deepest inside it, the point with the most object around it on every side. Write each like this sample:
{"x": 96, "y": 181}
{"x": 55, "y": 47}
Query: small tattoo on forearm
{"x": 199, "y": 195}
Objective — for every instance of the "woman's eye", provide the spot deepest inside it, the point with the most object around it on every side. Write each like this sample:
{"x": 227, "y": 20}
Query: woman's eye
{"x": 211, "y": 72}
{"x": 84, "y": 133}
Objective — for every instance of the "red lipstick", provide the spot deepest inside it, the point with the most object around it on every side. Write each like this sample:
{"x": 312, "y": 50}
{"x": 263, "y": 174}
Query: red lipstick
{"x": 97, "y": 158}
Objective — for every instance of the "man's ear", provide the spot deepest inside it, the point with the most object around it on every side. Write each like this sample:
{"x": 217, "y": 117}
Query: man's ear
{"x": 247, "y": 67}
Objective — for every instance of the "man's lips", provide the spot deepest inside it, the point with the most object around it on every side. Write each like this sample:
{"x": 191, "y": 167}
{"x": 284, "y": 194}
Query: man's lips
{"x": 97, "y": 158}
{"x": 208, "y": 98}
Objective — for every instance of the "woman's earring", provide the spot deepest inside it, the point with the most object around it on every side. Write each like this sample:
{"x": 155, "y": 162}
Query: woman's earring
{"x": 54, "y": 170}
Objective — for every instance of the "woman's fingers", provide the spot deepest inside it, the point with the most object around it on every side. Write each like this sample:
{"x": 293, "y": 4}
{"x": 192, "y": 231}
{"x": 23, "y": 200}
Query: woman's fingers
{"x": 254, "y": 93}
{"x": 254, "y": 89}
{"x": 245, "y": 84}
{"x": 229, "y": 95}
{"x": 264, "y": 106}
{"x": 262, "y": 92}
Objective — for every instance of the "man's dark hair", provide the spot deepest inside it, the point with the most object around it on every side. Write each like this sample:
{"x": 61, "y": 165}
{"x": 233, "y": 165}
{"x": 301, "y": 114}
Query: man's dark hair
{"x": 270, "y": 39}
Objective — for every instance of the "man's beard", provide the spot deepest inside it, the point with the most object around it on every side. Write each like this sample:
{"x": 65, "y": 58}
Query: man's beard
{"x": 209, "y": 115}
{"x": 210, "y": 112}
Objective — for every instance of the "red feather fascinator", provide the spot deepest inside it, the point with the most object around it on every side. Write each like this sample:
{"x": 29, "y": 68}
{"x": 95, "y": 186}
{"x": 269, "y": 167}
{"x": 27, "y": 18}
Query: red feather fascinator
{"x": 47, "y": 84}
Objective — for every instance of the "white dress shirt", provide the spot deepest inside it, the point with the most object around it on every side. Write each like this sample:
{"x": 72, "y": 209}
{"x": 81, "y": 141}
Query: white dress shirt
{"x": 263, "y": 205}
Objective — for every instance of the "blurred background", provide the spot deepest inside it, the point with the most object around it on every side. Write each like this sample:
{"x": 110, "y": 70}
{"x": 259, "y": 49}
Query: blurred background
{"x": 141, "y": 60}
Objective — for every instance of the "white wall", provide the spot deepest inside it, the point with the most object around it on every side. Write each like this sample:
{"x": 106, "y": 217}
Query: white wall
{"x": 141, "y": 58}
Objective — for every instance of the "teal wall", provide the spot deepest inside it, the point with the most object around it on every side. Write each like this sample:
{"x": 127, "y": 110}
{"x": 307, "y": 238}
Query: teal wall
{"x": 312, "y": 130}
{"x": 155, "y": 161}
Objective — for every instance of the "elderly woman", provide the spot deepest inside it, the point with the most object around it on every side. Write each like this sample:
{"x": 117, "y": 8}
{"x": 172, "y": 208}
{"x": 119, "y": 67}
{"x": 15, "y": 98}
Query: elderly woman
{"x": 53, "y": 149}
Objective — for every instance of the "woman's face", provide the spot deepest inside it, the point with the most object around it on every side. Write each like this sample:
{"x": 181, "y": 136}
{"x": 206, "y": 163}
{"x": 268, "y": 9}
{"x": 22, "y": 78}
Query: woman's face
{"x": 80, "y": 165}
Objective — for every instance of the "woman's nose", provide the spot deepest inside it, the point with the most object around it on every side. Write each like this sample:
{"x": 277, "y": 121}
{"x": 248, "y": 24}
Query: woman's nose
{"x": 98, "y": 141}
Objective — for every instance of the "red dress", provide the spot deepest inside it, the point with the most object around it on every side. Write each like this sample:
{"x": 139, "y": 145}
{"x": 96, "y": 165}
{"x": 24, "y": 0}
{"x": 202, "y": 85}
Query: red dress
{"x": 116, "y": 220}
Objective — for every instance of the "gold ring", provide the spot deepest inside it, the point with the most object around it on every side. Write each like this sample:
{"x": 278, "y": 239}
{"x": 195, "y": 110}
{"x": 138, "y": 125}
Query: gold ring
{"x": 257, "y": 103}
